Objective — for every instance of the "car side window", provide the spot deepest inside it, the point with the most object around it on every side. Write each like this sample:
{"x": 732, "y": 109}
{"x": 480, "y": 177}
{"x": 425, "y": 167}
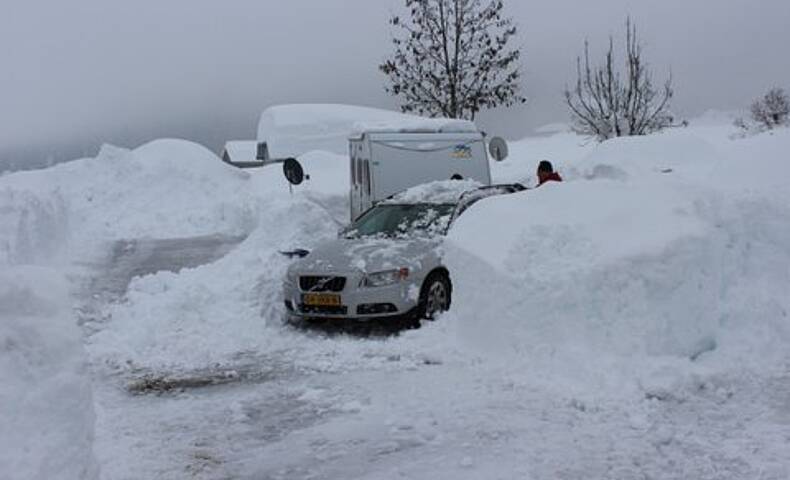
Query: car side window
{"x": 359, "y": 171}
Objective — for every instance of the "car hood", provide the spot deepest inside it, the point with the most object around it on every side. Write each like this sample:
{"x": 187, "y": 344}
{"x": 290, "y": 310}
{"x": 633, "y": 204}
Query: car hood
{"x": 368, "y": 255}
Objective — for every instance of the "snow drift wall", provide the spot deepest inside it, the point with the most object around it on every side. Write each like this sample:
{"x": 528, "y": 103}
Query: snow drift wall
{"x": 656, "y": 248}
{"x": 599, "y": 265}
{"x": 217, "y": 310}
{"x": 33, "y": 227}
{"x": 46, "y": 419}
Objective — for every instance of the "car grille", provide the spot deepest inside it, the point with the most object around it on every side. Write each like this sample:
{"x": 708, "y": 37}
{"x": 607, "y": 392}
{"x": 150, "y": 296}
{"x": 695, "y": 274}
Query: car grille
{"x": 322, "y": 284}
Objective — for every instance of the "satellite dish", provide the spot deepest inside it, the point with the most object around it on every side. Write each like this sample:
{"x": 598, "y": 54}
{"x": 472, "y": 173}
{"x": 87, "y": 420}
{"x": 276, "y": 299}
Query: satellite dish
{"x": 497, "y": 147}
{"x": 293, "y": 171}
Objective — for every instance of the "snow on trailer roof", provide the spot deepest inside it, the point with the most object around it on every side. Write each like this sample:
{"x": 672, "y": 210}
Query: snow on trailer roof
{"x": 413, "y": 124}
{"x": 291, "y": 130}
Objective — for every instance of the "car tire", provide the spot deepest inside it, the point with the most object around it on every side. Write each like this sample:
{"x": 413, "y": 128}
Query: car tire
{"x": 435, "y": 296}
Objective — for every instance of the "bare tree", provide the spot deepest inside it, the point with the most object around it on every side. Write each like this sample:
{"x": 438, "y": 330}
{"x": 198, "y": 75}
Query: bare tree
{"x": 603, "y": 104}
{"x": 773, "y": 110}
{"x": 452, "y": 58}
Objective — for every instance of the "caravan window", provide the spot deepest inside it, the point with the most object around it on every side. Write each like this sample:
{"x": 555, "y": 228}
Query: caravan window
{"x": 366, "y": 176}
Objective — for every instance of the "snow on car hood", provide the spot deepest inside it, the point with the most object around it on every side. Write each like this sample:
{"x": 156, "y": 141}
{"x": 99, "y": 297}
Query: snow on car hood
{"x": 368, "y": 255}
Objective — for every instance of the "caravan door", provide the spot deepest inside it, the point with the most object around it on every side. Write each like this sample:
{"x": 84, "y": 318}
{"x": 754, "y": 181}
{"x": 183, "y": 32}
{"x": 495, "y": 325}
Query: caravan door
{"x": 404, "y": 160}
{"x": 361, "y": 196}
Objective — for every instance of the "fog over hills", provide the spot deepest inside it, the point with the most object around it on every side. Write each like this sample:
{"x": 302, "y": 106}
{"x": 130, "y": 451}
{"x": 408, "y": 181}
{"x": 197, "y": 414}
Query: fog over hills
{"x": 82, "y": 73}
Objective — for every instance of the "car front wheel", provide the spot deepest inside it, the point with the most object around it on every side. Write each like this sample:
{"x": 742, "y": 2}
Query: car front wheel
{"x": 435, "y": 296}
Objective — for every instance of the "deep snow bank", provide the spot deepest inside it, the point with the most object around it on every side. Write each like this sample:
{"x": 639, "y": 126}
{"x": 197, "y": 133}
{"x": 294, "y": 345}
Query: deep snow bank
{"x": 204, "y": 316}
{"x": 34, "y": 228}
{"x": 167, "y": 188}
{"x": 656, "y": 247}
{"x": 601, "y": 265}
{"x": 682, "y": 153}
{"x": 46, "y": 419}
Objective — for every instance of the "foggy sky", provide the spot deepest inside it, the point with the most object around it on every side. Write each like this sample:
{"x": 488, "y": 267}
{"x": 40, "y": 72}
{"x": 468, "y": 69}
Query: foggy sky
{"x": 80, "y": 73}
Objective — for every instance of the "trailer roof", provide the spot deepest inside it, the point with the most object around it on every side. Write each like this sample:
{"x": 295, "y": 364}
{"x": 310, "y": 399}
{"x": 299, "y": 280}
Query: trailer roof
{"x": 413, "y": 124}
{"x": 290, "y": 130}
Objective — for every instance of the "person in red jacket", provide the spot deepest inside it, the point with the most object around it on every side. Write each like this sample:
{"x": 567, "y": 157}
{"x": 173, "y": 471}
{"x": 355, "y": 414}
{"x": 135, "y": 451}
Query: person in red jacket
{"x": 546, "y": 173}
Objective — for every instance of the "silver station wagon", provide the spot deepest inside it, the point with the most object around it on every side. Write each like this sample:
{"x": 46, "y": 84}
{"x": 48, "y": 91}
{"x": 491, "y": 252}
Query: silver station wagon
{"x": 388, "y": 263}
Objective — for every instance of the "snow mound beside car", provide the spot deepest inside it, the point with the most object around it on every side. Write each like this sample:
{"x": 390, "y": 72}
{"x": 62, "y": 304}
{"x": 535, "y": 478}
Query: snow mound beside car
{"x": 652, "y": 266}
{"x": 574, "y": 262}
{"x": 209, "y": 314}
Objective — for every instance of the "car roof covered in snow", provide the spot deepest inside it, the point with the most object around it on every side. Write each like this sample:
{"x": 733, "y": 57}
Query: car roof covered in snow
{"x": 439, "y": 192}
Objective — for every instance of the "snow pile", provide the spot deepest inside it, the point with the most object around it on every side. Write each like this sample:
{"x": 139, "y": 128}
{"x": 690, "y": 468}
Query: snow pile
{"x": 292, "y": 130}
{"x": 563, "y": 150}
{"x": 679, "y": 152}
{"x": 34, "y": 228}
{"x": 227, "y": 316}
{"x": 204, "y": 316}
{"x": 655, "y": 249}
{"x": 757, "y": 168}
{"x": 46, "y": 419}
{"x": 166, "y": 188}
{"x": 553, "y": 128}
{"x": 573, "y": 265}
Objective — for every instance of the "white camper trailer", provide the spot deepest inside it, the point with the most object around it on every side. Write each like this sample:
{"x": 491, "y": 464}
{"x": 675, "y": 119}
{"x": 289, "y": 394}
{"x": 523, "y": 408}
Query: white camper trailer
{"x": 389, "y": 151}
{"x": 386, "y": 161}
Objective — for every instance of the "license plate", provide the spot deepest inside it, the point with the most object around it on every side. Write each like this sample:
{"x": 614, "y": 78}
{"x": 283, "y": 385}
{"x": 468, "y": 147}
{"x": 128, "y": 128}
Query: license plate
{"x": 321, "y": 300}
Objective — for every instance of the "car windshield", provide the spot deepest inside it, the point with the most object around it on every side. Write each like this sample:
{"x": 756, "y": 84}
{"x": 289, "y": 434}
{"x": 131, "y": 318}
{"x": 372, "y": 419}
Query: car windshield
{"x": 402, "y": 220}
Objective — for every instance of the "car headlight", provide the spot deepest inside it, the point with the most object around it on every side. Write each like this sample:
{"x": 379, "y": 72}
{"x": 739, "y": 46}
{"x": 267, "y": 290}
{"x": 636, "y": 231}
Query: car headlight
{"x": 384, "y": 278}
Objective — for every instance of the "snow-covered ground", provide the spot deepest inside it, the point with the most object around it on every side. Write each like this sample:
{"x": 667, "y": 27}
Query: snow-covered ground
{"x": 631, "y": 322}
